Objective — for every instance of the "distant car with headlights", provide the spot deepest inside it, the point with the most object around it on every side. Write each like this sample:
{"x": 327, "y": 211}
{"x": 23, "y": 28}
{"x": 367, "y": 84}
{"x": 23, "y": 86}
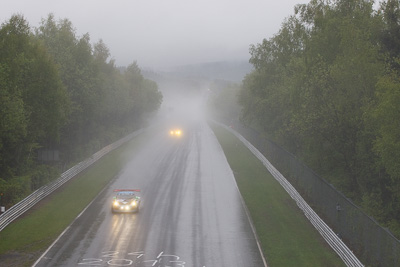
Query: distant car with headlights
{"x": 125, "y": 200}
{"x": 175, "y": 132}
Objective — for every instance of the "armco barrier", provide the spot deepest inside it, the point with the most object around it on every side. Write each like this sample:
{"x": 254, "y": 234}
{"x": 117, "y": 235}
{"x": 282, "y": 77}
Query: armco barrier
{"x": 18, "y": 209}
{"x": 326, "y": 232}
{"x": 373, "y": 244}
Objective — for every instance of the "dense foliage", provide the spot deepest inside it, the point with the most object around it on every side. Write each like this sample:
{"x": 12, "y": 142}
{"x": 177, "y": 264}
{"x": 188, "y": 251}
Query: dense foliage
{"x": 327, "y": 88}
{"x": 60, "y": 93}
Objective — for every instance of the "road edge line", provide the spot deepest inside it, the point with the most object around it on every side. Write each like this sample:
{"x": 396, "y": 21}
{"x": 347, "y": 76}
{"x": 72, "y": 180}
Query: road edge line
{"x": 76, "y": 218}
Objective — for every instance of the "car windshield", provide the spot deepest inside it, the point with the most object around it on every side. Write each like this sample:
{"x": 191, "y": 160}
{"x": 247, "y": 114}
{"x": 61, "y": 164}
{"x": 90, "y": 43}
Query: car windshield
{"x": 125, "y": 195}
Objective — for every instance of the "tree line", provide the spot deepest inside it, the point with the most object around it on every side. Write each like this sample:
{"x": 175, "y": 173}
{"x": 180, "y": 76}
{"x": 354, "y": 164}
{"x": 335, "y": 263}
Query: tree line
{"x": 327, "y": 88}
{"x": 58, "y": 92}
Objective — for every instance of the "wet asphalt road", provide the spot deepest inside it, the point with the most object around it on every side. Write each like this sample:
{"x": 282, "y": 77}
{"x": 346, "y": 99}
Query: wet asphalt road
{"x": 191, "y": 213}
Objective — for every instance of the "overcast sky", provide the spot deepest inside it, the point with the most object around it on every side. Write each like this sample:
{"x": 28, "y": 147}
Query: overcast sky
{"x": 162, "y": 33}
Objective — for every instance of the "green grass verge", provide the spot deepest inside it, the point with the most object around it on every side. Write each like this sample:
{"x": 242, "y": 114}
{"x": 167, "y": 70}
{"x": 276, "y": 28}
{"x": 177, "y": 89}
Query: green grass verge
{"x": 25, "y": 239}
{"x": 286, "y": 236}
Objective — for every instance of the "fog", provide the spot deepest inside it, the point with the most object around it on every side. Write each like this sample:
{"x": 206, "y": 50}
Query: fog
{"x": 160, "y": 34}
{"x": 184, "y": 104}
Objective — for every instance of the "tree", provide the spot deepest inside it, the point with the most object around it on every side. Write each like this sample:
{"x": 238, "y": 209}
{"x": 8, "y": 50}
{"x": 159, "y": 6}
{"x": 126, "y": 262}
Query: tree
{"x": 59, "y": 92}
{"x": 391, "y": 32}
{"x": 383, "y": 116}
{"x": 143, "y": 93}
{"x": 75, "y": 60}
{"x": 312, "y": 83}
{"x": 153, "y": 97}
{"x": 35, "y": 103}
{"x": 13, "y": 123}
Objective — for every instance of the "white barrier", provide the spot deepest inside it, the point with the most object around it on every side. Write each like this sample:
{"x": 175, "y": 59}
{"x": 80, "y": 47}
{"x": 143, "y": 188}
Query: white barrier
{"x": 18, "y": 209}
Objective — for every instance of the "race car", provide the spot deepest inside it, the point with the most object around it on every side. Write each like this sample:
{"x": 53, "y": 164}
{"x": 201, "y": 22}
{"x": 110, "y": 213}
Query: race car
{"x": 175, "y": 132}
{"x": 125, "y": 200}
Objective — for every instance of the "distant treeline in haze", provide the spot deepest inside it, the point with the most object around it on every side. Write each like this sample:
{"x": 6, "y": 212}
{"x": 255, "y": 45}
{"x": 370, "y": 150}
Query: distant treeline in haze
{"x": 61, "y": 94}
{"x": 327, "y": 88}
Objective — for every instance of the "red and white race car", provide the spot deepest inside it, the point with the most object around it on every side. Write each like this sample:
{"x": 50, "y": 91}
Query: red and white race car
{"x": 125, "y": 200}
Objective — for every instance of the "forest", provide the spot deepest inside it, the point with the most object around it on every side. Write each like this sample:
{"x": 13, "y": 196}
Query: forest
{"x": 326, "y": 87}
{"x": 61, "y": 94}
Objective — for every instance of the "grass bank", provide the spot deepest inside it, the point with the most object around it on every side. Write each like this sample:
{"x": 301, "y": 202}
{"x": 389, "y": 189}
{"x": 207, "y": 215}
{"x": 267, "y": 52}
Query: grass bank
{"x": 24, "y": 240}
{"x": 286, "y": 236}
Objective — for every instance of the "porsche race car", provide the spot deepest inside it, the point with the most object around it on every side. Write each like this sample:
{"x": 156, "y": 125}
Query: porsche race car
{"x": 125, "y": 200}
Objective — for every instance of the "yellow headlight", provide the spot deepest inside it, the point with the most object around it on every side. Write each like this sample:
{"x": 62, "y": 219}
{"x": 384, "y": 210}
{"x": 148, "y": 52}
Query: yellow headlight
{"x": 116, "y": 203}
{"x": 176, "y": 132}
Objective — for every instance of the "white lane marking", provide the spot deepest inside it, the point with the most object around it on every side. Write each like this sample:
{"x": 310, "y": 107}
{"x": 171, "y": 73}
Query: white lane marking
{"x": 55, "y": 241}
{"x": 66, "y": 229}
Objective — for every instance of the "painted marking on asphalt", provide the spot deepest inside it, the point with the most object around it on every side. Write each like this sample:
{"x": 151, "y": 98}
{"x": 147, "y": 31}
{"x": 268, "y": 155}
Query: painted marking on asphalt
{"x": 162, "y": 260}
{"x": 138, "y": 254}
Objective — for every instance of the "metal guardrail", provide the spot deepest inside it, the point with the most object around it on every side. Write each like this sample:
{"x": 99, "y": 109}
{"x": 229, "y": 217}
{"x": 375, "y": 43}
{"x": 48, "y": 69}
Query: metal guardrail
{"x": 326, "y": 232}
{"x": 21, "y": 207}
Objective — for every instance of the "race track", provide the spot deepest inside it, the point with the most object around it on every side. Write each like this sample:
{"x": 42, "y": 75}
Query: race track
{"x": 191, "y": 213}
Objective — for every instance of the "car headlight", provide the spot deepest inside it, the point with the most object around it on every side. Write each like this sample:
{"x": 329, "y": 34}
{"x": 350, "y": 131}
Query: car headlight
{"x": 116, "y": 203}
{"x": 176, "y": 132}
{"x": 134, "y": 204}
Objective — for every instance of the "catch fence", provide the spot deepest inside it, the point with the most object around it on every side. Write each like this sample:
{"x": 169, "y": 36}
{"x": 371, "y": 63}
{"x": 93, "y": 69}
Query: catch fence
{"x": 373, "y": 244}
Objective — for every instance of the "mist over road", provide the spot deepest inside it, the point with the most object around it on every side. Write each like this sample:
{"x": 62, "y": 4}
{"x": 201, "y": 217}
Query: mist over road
{"x": 191, "y": 212}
